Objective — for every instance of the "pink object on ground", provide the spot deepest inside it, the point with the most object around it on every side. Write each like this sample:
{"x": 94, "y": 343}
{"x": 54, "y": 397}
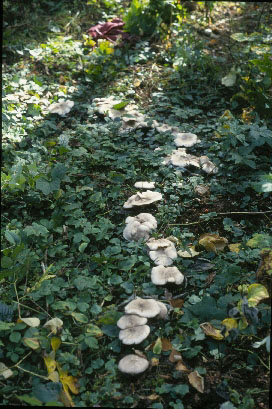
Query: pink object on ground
{"x": 109, "y": 31}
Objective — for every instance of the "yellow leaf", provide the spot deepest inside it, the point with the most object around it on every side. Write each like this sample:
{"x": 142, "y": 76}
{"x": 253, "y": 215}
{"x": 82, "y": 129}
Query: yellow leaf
{"x": 242, "y": 324}
{"x": 154, "y": 362}
{"x": 212, "y": 242}
{"x": 188, "y": 254}
{"x": 94, "y": 330}
{"x": 235, "y": 247}
{"x": 196, "y": 381}
{"x": 54, "y": 324}
{"x": 54, "y": 376}
{"x": 66, "y": 398}
{"x": 32, "y": 343}
{"x": 31, "y": 322}
{"x": 69, "y": 381}
{"x": 55, "y": 343}
{"x": 152, "y": 397}
{"x": 256, "y": 293}
{"x": 211, "y": 331}
{"x": 137, "y": 83}
{"x": 50, "y": 364}
{"x": 229, "y": 323}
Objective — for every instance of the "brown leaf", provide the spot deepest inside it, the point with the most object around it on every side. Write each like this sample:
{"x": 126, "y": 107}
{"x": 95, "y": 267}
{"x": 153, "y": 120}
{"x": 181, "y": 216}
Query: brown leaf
{"x": 174, "y": 356}
{"x": 210, "y": 278}
{"x": 181, "y": 367}
{"x": 196, "y": 381}
{"x": 177, "y": 303}
{"x": 166, "y": 344}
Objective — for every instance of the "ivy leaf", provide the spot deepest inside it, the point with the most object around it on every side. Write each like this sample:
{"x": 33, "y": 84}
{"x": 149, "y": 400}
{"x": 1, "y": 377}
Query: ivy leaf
{"x": 157, "y": 348}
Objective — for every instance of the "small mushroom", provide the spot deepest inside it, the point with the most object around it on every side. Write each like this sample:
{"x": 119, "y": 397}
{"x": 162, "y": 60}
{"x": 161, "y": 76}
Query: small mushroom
{"x": 133, "y": 364}
{"x": 207, "y": 165}
{"x": 134, "y": 335}
{"x": 161, "y": 275}
{"x": 186, "y": 139}
{"x": 142, "y": 199}
{"x": 62, "y": 107}
{"x": 147, "y": 308}
{"x": 154, "y": 244}
{"x": 145, "y": 185}
{"x": 131, "y": 320}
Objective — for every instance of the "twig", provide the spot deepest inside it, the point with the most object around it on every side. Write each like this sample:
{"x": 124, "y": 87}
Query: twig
{"x": 18, "y": 302}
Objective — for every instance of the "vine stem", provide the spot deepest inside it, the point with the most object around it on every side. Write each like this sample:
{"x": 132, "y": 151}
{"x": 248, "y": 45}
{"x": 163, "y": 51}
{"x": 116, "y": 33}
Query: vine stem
{"x": 26, "y": 370}
{"x": 18, "y": 302}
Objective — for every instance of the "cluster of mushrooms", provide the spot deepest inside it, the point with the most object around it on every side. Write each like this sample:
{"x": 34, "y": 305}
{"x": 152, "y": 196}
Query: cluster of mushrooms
{"x": 133, "y": 325}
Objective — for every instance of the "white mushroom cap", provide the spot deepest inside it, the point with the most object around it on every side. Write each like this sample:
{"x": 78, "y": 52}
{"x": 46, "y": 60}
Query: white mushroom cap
{"x": 131, "y": 320}
{"x": 133, "y": 364}
{"x": 207, "y": 165}
{"x": 163, "y": 310}
{"x": 139, "y": 227}
{"x": 143, "y": 307}
{"x": 134, "y": 335}
{"x": 142, "y": 198}
{"x": 62, "y": 107}
{"x": 181, "y": 158}
{"x": 186, "y": 139}
{"x": 164, "y": 253}
{"x": 145, "y": 185}
{"x": 161, "y": 275}
{"x": 135, "y": 231}
{"x": 154, "y": 244}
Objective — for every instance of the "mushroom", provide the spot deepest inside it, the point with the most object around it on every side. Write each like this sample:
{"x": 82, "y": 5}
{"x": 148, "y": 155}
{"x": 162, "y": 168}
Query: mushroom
{"x": 207, "y": 165}
{"x": 161, "y": 275}
{"x": 62, "y": 107}
{"x": 131, "y": 320}
{"x": 185, "y": 139}
{"x": 181, "y": 158}
{"x": 133, "y": 118}
{"x": 134, "y": 335}
{"x": 135, "y": 231}
{"x": 139, "y": 227}
{"x": 163, "y": 311}
{"x": 145, "y": 185}
{"x": 147, "y": 308}
{"x": 133, "y": 364}
{"x": 142, "y": 199}
{"x": 105, "y": 106}
{"x": 162, "y": 251}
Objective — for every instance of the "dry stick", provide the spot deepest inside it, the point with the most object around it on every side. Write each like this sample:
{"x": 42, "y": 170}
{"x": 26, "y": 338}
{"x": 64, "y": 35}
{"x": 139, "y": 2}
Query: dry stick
{"x": 25, "y": 370}
{"x": 223, "y": 214}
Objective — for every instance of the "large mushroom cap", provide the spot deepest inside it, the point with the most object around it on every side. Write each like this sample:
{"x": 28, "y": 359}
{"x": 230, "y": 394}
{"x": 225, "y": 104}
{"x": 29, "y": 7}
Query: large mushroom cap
{"x": 186, "y": 139}
{"x": 142, "y": 199}
{"x": 181, "y": 158}
{"x": 62, "y": 107}
{"x": 133, "y": 364}
{"x": 134, "y": 335}
{"x": 161, "y": 275}
{"x": 143, "y": 307}
{"x": 164, "y": 251}
{"x": 139, "y": 227}
{"x": 130, "y": 320}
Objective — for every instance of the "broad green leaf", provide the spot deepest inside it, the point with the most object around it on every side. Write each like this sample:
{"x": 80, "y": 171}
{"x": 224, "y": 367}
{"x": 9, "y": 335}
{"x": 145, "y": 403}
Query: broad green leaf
{"x": 94, "y": 330}
{"x": 110, "y": 317}
{"x": 256, "y": 293}
{"x": 121, "y": 105}
{"x": 264, "y": 185}
{"x": 5, "y": 326}
{"x": 91, "y": 342}
{"x": 157, "y": 348}
{"x": 48, "y": 392}
{"x": 12, "y": 237}
{"x": 31, "y": 322}
{"x": 240, "y": 37}
{"x": 15, "y": 337}
{"x": 59, "y": 171}
{"x": 30, "y": 400}
{"x": 115, "y": 280}
{"x": 82, "y": 247}
{"x": 80, "y": 317}
{"x": 260, "y": 241}
{"x": 32, "y": 343}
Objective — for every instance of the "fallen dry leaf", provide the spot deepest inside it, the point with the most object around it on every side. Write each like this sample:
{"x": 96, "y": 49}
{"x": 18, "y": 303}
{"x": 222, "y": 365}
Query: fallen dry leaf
{"x": 212, "y": 242}
{"x": 154, "y": 362}
{"x": 196, "y": 381}
{"x": 139, "y": 353}
{"x": 174, "y": 356}
{"x": 153, "y": 396}
{"x": 211, "y": 331}
{"x": 166, "y": 344}
{"x": 177, "y": 303}
{"x": 181, "y": 367}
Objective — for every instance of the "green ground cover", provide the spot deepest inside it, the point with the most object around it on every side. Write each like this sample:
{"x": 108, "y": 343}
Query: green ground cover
{"x": 205, "y": 68}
